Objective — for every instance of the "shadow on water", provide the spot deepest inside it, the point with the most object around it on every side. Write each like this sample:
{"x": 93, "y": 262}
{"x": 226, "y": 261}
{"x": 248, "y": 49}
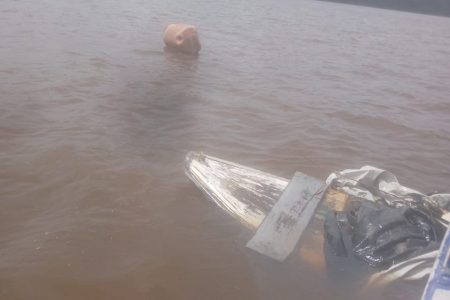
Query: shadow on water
{"x": 158, "y": 112}
{"x": 187, "y": 60}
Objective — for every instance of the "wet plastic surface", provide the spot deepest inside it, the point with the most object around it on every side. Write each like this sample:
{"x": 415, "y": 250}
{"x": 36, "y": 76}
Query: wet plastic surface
{"x": 380, "y": 236}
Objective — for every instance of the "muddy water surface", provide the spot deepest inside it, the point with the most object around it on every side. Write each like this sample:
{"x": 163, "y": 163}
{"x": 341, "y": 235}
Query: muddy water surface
{"x": 95, "y": 121}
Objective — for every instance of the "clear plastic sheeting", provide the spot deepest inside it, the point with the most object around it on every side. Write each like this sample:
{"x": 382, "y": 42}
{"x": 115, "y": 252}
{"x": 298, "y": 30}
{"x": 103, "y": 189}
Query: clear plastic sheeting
{"x": 374, "y": 184}
{"x": 386, "y": 229}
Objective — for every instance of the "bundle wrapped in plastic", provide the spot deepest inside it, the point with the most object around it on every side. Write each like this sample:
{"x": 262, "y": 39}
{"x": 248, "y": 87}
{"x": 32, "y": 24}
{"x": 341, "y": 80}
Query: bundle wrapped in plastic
{"x": 381, "y": 236}
{"x": 383, "y": 225}
{"x": 377, "y": 185}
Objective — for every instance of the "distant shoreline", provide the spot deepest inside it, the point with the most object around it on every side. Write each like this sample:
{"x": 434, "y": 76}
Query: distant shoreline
{"x": 429, "y": 7}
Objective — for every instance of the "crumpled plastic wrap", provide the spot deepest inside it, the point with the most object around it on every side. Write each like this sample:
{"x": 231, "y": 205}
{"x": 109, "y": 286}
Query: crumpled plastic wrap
{"x": 374, "y": 184}
{"x": 381, "y": 235}
{"x": 384, "y": 222}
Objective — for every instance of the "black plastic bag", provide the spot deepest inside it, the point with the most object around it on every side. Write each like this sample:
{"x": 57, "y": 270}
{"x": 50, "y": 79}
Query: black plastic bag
{"x": 379, "y": 235}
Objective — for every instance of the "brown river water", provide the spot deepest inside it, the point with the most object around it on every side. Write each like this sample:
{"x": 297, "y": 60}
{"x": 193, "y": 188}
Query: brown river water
{"x": 96, "y": 118}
